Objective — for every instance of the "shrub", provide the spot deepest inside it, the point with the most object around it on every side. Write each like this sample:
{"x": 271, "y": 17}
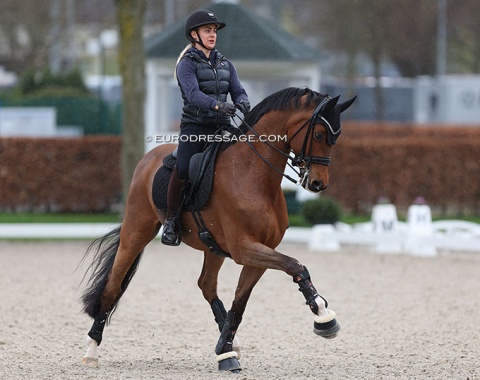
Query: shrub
{"x": 32, "y": 82}
{"x": 323, "y": 210}
{"x": 293, "y": 206}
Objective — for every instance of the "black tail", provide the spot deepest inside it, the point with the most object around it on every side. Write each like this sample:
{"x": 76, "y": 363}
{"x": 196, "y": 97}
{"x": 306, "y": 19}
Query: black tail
{"x": 100, "y": 268}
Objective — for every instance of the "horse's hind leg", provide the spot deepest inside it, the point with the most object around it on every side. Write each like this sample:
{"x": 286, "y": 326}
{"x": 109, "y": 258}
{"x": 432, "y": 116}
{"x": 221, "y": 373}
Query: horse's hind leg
{"x": 112, "y": 275}
{"x": 227, "y": 354}
{"x": 208, "y": 282}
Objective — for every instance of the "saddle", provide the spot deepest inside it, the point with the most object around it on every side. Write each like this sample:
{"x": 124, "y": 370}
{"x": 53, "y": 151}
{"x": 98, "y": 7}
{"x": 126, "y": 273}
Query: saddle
{"x": 201, "y": 175}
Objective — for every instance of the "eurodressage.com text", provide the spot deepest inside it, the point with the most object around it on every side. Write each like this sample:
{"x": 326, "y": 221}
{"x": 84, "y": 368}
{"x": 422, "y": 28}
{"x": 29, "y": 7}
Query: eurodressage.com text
{"x": 159, "y": 139}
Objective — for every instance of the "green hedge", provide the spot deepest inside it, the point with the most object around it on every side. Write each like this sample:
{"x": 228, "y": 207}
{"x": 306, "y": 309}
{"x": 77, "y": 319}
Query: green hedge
{"x": 323, "y": 210}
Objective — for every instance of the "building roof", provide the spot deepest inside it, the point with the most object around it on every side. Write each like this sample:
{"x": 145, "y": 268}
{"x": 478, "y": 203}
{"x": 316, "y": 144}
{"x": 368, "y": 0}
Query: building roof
{"x": 246, "y": 37}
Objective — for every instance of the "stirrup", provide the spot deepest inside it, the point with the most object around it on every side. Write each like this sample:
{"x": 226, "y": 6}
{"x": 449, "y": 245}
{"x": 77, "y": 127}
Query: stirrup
{"x": 171, "y": 234}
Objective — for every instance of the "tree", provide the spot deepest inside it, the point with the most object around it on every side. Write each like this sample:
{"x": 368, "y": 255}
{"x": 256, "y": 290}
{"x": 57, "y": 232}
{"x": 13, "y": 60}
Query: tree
{"x": 357, "y": 27}
{"x": 464, "y": 29}
{"x": 24, "y": 34}
{"x": 131, "y": 57}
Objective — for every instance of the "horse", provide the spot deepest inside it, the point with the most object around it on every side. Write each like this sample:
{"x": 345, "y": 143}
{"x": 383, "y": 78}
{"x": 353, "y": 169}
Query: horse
{"x": 246, "y": 212}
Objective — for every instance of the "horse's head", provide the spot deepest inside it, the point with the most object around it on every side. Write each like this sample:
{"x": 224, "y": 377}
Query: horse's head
{"x": 312, "y": 141}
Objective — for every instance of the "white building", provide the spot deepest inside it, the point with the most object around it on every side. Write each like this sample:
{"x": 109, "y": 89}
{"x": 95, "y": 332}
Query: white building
{"x": 266, "y": 57}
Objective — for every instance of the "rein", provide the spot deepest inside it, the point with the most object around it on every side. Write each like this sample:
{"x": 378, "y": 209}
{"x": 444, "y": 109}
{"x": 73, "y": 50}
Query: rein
{"x": 274, "y": 148}
{"x": 300, "y": 160}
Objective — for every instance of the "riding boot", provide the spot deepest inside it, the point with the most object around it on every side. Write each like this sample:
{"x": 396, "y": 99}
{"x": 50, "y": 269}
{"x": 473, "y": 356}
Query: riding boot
{"x": 171, "y": 228}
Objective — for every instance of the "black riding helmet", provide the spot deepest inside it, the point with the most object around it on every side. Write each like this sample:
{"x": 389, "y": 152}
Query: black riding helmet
{"x": 198, "y": 19}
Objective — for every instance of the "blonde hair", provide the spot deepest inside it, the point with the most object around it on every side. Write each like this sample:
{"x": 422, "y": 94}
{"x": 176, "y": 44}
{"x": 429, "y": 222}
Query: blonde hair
{"x": 180, "y": 58}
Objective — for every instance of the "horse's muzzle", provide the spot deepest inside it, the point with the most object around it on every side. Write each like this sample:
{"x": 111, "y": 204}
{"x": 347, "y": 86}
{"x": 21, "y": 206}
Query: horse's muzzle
{"x": 316, "y": 186}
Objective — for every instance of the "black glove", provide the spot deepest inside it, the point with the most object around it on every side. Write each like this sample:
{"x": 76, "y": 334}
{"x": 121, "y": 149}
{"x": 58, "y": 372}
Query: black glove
{"x": 243, "y": 106}
{"x": 226, "y": 108}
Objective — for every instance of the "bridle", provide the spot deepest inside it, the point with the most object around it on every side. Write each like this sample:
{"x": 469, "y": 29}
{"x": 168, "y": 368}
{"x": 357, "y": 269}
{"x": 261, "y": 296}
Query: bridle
{"x": 303, "y": 160}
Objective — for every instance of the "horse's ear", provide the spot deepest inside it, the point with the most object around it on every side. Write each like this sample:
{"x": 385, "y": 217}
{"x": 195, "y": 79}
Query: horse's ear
{"x": 343, "y": 106}
{"x": 331, "y": 104}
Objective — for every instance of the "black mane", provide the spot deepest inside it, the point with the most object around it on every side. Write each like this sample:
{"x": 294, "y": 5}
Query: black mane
{"x": 281, "y": 100}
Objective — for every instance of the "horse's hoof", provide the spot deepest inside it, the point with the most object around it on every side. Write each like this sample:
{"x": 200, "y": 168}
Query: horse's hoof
{"x": 236, "y": 347}
{"x": 229, "y": 362}
{"x": 90, "y": 362}
{"x": 326, "y": 326}
{"x": 327, "y": 330}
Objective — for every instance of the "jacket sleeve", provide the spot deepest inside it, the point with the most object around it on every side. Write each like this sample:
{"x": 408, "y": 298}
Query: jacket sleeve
{"x": 188, "y": 82}
{"x": 237, "y": 92}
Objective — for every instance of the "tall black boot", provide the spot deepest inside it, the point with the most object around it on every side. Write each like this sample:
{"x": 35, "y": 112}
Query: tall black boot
{"x": 171, "y": 228}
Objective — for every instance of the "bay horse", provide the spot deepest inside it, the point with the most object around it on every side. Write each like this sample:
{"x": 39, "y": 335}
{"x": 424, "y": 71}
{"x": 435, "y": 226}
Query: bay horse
{"x": 246, "y": 211}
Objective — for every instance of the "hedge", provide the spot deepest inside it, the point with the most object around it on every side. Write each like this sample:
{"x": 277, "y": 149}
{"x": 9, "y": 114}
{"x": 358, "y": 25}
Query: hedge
{"x": 60, "y": 175}
{"x": 400, "y": 162}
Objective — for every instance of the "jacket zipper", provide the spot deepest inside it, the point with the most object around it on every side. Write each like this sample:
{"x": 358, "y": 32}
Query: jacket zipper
{"x": 214, "y": 68}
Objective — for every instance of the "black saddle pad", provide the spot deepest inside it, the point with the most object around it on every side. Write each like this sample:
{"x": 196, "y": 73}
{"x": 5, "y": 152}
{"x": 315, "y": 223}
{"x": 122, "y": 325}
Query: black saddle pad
{"x": 201, "y": 175}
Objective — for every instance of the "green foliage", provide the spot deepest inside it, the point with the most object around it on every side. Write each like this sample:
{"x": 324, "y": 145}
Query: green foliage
{"x": 93, "y": 115}
{"x": 57, "y": 92}
{"x": 293, "y": 206}
{"x": 59, "y": 218}
{"x": 297, "y": 220}
{"x": 323, "y": 210}
{"x": 68, "y": 94}
{"x": 32, "y": 82}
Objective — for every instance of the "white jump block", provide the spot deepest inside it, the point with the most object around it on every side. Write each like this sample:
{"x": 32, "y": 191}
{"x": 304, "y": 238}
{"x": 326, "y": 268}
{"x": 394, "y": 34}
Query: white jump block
{"x": 385, "y": 223}
{"x": 323, "y": 238}
{"x": 419, "y": 240}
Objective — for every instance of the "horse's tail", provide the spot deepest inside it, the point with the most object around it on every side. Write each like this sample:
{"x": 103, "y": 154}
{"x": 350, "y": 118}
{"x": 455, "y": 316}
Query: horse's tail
{"x": 105, "y": 248}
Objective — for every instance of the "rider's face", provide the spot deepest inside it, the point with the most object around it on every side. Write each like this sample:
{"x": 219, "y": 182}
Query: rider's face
{"x": 207, "y": 34}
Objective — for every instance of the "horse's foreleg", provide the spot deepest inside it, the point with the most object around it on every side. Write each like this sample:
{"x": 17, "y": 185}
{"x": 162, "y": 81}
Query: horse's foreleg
{"x": 324, "y": 323}
{"x": 259, "y": 255}
{"x": 227, "y": 353}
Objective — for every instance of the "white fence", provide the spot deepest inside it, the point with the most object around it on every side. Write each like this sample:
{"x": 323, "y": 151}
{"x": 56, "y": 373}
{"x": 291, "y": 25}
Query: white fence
{"x": 383, "y": 234}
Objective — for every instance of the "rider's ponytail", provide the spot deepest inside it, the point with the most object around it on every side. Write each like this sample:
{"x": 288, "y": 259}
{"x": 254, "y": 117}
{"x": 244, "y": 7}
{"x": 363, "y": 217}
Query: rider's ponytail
{"x": 180, "y": 58}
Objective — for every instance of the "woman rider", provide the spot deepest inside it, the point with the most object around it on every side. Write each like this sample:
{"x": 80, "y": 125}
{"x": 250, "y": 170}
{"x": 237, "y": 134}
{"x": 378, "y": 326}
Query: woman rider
{"x": 205, "y": 78}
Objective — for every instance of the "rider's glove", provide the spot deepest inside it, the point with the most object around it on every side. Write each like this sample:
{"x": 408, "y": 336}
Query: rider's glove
{"x": 225, "y": 108}
{"x": 243, "y": 106}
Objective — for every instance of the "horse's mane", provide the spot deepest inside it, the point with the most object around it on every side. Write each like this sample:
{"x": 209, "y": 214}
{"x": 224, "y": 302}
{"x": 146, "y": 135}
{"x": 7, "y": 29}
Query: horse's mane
{"x": 281, "y": 100}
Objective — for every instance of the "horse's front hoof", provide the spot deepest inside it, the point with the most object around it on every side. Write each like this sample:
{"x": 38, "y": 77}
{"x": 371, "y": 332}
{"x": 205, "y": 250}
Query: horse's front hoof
{"x": 229, "y": 362}
{"x": 90, "y": 362}
{"x": 326, "y": 326}
{"x": 328, "y": 330}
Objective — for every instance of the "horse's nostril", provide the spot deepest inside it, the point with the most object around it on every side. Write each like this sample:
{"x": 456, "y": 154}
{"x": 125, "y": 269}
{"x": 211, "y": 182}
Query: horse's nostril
{"x": 317, "y": 186}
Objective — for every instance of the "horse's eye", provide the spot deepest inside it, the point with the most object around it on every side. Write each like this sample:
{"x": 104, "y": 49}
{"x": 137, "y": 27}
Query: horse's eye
{"x": 318, "y": 136}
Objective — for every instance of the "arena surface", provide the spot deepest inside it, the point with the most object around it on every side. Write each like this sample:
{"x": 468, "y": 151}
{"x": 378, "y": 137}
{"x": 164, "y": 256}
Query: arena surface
{"x": 402, "y": 317}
